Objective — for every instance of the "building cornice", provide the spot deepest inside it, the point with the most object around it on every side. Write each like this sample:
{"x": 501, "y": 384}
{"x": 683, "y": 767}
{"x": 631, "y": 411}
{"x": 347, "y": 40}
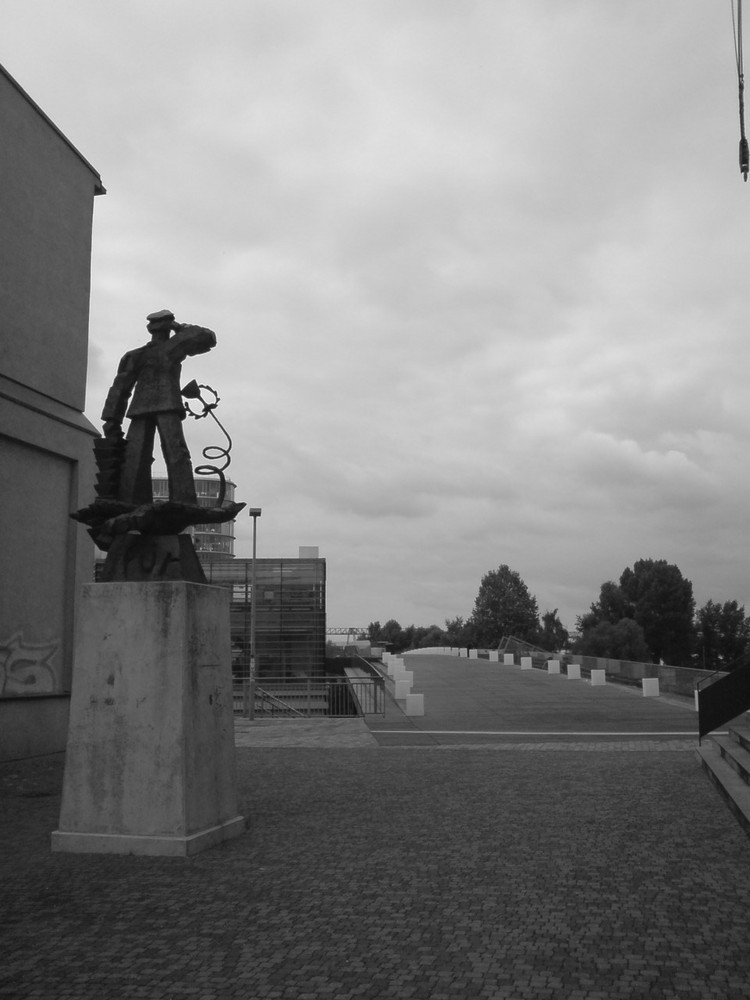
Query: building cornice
{"x": 98, "y": 186}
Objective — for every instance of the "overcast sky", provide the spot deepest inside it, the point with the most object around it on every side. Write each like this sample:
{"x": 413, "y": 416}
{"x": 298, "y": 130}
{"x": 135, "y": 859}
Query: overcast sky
{"x": 478, "y": 271}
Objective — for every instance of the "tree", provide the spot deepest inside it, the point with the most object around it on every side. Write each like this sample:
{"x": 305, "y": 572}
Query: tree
{"x": 553, "y": 635}
{"x": 723, "y": 635}
{"x": 392, "y": 635}
{"x": 622, "y": 640}
{"x": 373, "y": 632}
{"x": 432, "y": 635}
{"x": 459, "y": 632}
{"x": 611, "y": 607}
{"x": 663, "y": 605}
{"x": 504, "y": 606}
{"x": 656, "y": 596}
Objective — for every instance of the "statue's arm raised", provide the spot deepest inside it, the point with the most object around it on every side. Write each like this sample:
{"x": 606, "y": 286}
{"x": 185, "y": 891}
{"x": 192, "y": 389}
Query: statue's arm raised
{"x": 190, "y": 340}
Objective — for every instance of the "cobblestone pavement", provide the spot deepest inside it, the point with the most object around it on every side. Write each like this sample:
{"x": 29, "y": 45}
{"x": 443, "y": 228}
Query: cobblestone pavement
{"x": 321, "y": 733}
{"x": 608, "y": 868}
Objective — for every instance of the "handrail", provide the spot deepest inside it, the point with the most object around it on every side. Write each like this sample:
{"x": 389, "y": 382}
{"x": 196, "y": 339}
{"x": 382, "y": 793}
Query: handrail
{"x": 370, "y": 667}
{"x": 277, "y": 701}
{"x": 723, "y": 700}
{"x": 705, "y": 680}
{"x": 361, "y": 686}
{"x": 328, "y": 695}
{"x": 743, "y": 660}
{"x": 530, "y": 646}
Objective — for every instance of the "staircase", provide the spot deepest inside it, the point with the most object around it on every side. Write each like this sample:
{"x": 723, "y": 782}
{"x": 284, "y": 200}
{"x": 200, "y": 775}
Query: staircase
{"x": 726, "y": 761}
{"x": 291, "y": 699}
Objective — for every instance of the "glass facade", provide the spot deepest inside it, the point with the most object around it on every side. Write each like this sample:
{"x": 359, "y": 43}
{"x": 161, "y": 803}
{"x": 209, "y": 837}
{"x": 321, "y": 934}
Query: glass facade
{"x": 211, "y": 541}
{"x": 290, "y": 614}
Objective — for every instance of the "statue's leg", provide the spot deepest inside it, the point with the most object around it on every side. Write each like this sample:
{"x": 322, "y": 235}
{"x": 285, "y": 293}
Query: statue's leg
{"x": 135, "y": 479}
{"x": 177, "y": 458}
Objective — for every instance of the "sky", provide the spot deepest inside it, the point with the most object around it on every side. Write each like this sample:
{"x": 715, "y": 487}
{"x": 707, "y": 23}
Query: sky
{"x": 478, "y": 271}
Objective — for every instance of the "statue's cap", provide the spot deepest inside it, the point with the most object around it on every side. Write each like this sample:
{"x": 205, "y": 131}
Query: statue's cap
{"x": 161, "y": 314}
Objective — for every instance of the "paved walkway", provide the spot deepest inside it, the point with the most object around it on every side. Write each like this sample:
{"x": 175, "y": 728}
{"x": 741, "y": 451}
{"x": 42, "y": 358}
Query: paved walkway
{"x": 465, "y": 864}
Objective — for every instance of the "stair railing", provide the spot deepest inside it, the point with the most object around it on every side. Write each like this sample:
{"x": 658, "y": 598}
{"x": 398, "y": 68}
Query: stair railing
{"x": 722, "y": 699}
{"x": 276, "y": 703}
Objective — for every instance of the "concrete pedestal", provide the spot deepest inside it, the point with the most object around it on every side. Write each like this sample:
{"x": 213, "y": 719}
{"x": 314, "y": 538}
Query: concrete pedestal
{"x": 150, "y": 759}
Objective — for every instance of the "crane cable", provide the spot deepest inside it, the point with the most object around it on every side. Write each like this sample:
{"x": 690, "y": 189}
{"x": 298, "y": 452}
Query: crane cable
{"x": 737, "y": 29}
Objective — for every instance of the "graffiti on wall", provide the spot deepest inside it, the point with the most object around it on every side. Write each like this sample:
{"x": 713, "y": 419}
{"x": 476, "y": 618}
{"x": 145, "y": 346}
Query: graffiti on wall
{"x": 28, "y": 667}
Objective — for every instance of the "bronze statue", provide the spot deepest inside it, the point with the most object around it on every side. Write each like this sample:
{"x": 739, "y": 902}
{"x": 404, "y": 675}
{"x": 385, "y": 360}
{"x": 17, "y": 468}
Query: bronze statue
{"x": 141, "y": 536}
{"x": 154, "y": 372}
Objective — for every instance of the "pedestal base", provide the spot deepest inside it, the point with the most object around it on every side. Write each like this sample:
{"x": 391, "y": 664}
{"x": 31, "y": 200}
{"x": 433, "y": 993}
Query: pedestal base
{"x": 175, "y": 847}
{"x": 150, "y": 759}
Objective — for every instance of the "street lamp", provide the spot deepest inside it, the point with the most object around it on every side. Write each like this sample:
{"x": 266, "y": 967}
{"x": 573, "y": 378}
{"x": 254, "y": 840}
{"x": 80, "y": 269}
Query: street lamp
{"x": 254, "y": 513}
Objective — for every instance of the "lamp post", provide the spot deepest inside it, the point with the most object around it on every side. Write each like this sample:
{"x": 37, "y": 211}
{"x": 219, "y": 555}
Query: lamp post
{"x": 254, "y": 513}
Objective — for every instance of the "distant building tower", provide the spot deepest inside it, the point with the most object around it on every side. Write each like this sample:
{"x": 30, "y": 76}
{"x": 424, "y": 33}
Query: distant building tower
{"x": 213, "y": 542}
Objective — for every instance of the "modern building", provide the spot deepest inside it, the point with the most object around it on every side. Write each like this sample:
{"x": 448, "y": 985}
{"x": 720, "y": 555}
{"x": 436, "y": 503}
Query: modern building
{"x": 290, "y": 613}
{"x": 212, "y": 541}
{"x": 47, "y": 194}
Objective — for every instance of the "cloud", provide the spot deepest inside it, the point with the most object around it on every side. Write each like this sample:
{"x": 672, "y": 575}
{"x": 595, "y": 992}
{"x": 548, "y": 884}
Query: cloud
{"x": 477, "y": 272}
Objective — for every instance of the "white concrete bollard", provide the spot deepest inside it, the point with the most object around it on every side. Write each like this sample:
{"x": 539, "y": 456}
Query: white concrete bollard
{"x": 574, "y": 671}
{"x": 509, "y": 659}
{"x": 695, "y": 694}
{"x": 414, "y": 704}
{"x": 494, "y": 656}
{"x": 553, "y": 666}
{"x": 598, "y": 677}
{"x": 526, "y": 663}
{"x": 402, "y": 689}
{"x": 650, "y": 687}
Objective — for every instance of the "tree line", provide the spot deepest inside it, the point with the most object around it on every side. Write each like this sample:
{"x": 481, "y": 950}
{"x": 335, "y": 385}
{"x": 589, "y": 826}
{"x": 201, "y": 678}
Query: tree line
{"x": 648, "y": 615}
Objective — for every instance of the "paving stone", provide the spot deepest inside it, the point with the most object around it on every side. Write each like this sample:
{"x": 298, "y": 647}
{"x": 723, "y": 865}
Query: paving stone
{"x": 532, "y": 867}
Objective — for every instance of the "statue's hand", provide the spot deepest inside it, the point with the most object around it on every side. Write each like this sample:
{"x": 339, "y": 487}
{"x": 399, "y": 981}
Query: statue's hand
{"x": 113, "y": 430}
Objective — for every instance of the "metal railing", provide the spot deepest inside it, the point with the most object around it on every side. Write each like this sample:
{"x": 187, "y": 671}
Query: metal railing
{"x": 722, "y": 697}
{"x": 268, "y": 704}
{"x": 331, "y": 697}
{"x": 509, "y": 644}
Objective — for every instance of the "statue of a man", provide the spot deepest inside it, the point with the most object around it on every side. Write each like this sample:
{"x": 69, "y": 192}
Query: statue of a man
{"x": 152, "y": 374}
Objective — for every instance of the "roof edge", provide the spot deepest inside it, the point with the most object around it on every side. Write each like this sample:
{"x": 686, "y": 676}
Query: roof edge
{"x": 98, "y": 186}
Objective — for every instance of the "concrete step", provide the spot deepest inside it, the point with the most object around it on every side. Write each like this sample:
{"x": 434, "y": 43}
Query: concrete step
{"x": 722, "y": 760}
{"x": 735, "y": 754}
{"x": 741, "y": 735}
